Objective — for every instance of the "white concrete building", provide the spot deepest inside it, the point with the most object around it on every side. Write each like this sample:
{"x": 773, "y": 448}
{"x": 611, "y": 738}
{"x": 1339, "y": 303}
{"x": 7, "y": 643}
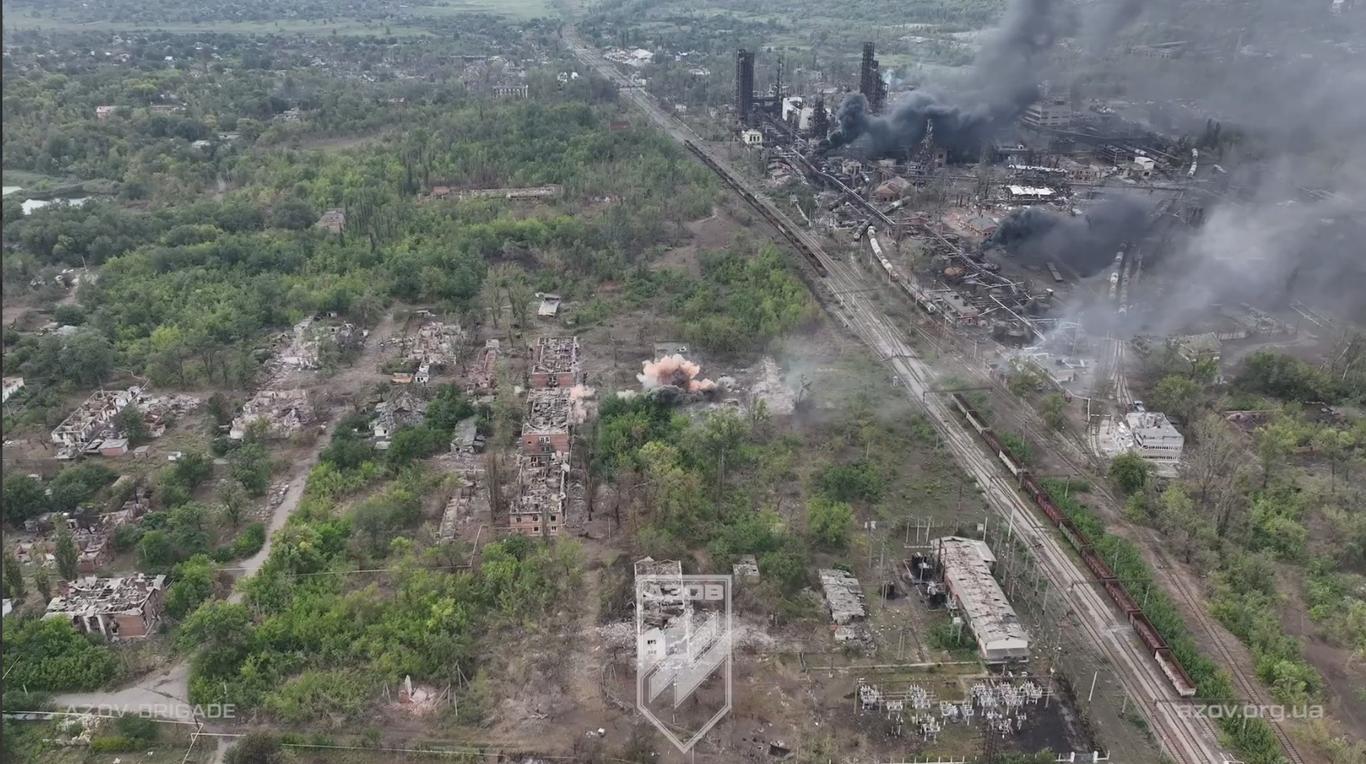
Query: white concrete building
{"x": 1154, "y": 437}
{"x": 974, "y": 592}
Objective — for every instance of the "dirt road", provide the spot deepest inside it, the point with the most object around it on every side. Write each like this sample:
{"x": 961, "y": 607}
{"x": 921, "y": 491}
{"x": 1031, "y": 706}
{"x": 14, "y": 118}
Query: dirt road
{"x": 165, "y": 694}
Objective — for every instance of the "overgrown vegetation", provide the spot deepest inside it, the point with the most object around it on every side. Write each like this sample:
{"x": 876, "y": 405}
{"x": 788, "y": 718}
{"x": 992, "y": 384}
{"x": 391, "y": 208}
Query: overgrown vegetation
{"x": 1252, "y": 738}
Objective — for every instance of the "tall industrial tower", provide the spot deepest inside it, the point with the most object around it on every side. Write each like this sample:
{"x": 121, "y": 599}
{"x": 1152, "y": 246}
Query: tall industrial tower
{"x": 870, "y": 82}
{"x": 744, "y": 84}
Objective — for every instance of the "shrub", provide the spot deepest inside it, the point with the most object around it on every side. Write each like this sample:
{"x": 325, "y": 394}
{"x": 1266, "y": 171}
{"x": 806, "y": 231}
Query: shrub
{"x": 139, "y": 729}
{"x": 1130, "y": 472}
{"x": 249, "y": 541}
{"x": 112, "y": 744}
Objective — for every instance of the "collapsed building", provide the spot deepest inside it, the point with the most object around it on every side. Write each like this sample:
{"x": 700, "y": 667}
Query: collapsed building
{"x": 285, "y": 412}
{"x": 555, "y": 362}
{"x": 847, "y": 606}
{"x": 1155, "y": 438}
{"x": 435, "y": 344}
{"x": 660, "y": 597}
{"x": 546, "y": 428}
{"x": 484, "y": 374}
{"x": 966, "y": 568}
{"x": 93, "y": 539}
{"x": 113, "y": 608}
{"x": 402, "y": 410}
{"x": 12, "y": 385}
{"x": 92, "y": 421}
{"x": 543, "y": 464}
{"x": 304, "y": 344}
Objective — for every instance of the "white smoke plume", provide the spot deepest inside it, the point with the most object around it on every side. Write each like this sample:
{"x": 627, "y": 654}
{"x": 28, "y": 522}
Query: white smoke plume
{"x": 674, "y": 371}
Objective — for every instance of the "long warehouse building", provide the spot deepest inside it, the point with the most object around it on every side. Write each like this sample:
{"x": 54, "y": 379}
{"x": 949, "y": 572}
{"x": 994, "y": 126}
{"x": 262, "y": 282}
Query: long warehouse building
{"x": 966, "y": 565}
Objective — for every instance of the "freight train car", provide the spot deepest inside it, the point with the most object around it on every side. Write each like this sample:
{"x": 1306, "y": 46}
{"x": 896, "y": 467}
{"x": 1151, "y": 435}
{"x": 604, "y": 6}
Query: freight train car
{"x": 1156, "y": 646}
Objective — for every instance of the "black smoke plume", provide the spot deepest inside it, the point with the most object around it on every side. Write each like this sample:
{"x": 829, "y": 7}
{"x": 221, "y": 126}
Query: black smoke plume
{"x": 997, "y": 90}
{"x": 1086, "y": 244}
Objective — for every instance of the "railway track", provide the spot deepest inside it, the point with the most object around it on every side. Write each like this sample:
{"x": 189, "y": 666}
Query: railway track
{"x": 1251, "y": 687}
{"x": 1182, "y": 737}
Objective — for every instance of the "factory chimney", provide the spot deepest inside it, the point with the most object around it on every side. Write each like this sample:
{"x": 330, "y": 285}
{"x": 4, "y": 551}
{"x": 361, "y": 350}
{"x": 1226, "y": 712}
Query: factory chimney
{"x": 870, "y": 80}
{"x": 744, "y": 85}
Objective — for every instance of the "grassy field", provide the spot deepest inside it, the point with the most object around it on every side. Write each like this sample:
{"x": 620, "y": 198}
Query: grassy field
{"x": 520, "y": 9}
{"x": 32, "y": 181}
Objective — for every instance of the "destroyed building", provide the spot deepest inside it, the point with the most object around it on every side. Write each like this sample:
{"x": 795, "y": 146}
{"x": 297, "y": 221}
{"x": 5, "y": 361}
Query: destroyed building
{"x": 1154, "y": 437}
{"x": 333, "y": 221}
{"x": 543, "y": 464}
{"x": 845, "y": 601}
{"x": 12, "y": 385}
{"x": 537, "y": 509}
{"x": 401, "y": 410}
{"x": 484, "y": 375}
{"x": 435, "y": 344}
{"x": 465, "y": 504}
{"x": 304, "y": 344}
{"x": 660, "y": 598}
{"x": 92, "y": 421}
{"x": 746, "y": 568}
{"x": 547, "y": 426}
{"x": 966, "y": 565}
{"x": 113, "y": 608}
{"x": 555, "y": 362}
{"x": 465, "y": 438}
{"x": 285, "y": 412}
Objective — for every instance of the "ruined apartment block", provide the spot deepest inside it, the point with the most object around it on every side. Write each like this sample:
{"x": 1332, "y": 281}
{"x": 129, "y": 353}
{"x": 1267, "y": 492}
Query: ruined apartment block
{"x": 284, "y": 411}
{"x": 113, "y": 608}
{"x": 546, "y": 429}
{"x": 555, "y": 362}
{"x": 538, "y": 507}
{"x": 91, "y": 421}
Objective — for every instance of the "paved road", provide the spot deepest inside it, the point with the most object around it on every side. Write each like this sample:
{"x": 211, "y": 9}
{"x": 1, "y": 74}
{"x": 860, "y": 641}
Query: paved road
{"x": 1183, "y": 739}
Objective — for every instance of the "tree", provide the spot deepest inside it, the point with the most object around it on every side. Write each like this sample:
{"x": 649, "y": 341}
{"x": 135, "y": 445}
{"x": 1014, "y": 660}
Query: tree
{"x": 256, "y": 748}
{"x": 193, "y": 585}
{"x": 24, "y": 498}
{"x": 412, "y": 443}
{"x": 76, "y": 485}
{"x": 1054, "y": 411}
{"x": 234, "y": 499}
{"x": 14, "y": 578}
{"x": 155, "y": 551}
{"x": 43, "y": 583}
{"x": 48, "y": 655}
{"x": 1214, "y": 466}
{"x": 251, "y": 467}
{"x": 131, "y": 423}
{"x": 1335, "y": 446}
{"x": 220, "y": 408}
{"x": 1177, "y": 396}
{"x": 88, "y": 358}
{"x": 294, "y": 214}
{"x": 1129, "y": 471}
{"x": 829, "y": 523}
{"x": 1275, "y": 442}
{"x": 68, "y": 557}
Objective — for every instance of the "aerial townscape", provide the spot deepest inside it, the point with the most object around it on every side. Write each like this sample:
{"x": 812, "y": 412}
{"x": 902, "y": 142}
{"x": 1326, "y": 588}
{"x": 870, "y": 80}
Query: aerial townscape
{"x": 683, "y": 381}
